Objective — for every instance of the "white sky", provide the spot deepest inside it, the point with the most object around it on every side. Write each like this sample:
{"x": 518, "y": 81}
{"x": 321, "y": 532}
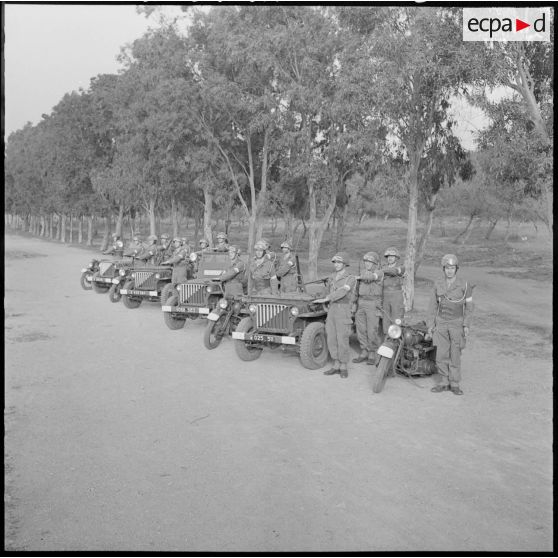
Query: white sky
{"x": 53, "y": 49}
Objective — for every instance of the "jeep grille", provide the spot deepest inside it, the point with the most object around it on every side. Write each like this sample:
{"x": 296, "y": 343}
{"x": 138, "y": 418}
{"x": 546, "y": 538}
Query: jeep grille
{"x": 106, "y": 269}
{"x": 145, "y": 280}
{"x": 192, "y": 293}
{"x": 272, "y": 316}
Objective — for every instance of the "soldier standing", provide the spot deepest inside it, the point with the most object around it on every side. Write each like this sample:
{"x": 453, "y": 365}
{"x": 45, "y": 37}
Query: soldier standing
{"x": 449, "y": 317}
{"x": 367, "y": 299}
{"x": 222, "y": 242}
{"x": 286, "y": 270}
{"x": 341, "y": 286}
{"x": 393, "y": 288}
{"x": 261, "y": 269}
{"x": 180, "y": 262}
{"x": 232, "y": 276}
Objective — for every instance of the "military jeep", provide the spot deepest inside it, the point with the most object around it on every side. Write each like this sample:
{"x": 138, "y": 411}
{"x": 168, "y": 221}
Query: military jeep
{"x": 197, "y": 297}
{"x": 107, "y": 270}
{"x": 291, "y": 321}
{"x": 144, "y": 282}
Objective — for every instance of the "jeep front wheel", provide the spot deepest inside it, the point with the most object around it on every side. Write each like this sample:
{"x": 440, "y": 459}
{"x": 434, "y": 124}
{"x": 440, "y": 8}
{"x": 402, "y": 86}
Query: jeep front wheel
{"x": 114, "y": 293}
{"x": 243, "y": 350}
{"x": 173, "y": 323}
{"x": 167, "y": 291}
{"x": 313, "y": 346}
{"x": 128, "y": 301}
{"x": 85, "y": 282}
{"x": 99, "y": 288}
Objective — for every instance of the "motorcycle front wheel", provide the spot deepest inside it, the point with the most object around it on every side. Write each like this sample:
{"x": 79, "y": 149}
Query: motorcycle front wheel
{"x": 213, "y": 334}
{"x": 381, "y": 374}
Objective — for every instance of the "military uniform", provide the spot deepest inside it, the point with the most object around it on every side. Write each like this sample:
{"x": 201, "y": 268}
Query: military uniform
{"x": 232, "y": 277}
{"x": 367, "y": 315}
{"x": 286, "y": 271}
{"x": 393, "y": 302}
{"x": 181, "y": 264}
{"x": 117, "y": 249}
{"x": 340, "y": 286}
{"x": 261, "y": 271}
{"x": 450, "y": 310}
{"x": 222, "y": 247}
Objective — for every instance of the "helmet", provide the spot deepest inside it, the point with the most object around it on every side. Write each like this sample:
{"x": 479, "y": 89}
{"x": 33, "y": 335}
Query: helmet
{"x": 203, "y": 241}
{"x": 450, "y": 259}
{"x": 176, "y": 239}
{"x": 115, "y": 236}
{"x": 235, "y": 248}
{"x": 164, "y": 236}
{"x": 261, "y": 245}
{"x": 152, "y": 237}
{"x": 222, "y": 235}
{"x": 136, "y": 237}
{"x": 184, "y": 240}
{"x": 286, "y": 244}
{"x": 391, "y": 251}
{"x": 342, "y": 257}
{"x": 371, "y": 257}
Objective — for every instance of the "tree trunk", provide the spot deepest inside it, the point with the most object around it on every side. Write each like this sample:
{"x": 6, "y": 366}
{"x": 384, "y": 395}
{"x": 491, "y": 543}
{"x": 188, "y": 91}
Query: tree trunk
{"x": 465, "y": 238}
{"x": 457, "y": 239}
{"x": 174, "y": 217}
{"x": 491, "y": 226}
{"x": 426, "y": 232}
{"x": 80, "y": 229}
{"x": 151, "y": 216}
{"x": 90, "y": 230}
{"x": 341, "y": 227}
{"x": 119, "y": 220}
{"x": 207, "y": 213}
{"x": 409, "y": 280}
{"x": 106, "y": 234}
{"x": 508, "y": 225}
{"x": 71, "y": 235}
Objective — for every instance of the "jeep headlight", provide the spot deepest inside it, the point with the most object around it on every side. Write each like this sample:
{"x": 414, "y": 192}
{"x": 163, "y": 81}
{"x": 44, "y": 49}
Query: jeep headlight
{"x": 92, "y": 263}
{"x": 398, "y": 321}
{"x": 223, "y": 303}
{"x": 252, "y": 308}
{"x": 209, "y": 288}
{"x": 157, "y": 276}
{"x": 294, "y": 311}
{"x": 394, "y": 331}
{"x": 122, "y": 272}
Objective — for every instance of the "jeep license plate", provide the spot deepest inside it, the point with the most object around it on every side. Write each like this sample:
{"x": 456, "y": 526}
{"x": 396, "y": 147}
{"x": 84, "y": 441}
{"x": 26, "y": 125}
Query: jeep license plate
{"x": 191, "y": 310}
{"x": 385, "y": 351}
{"x": 266, "y": 338}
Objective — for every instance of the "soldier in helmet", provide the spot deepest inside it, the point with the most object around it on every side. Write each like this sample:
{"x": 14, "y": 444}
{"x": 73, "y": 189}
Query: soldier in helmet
{"x": 135, "y": 247}
{"x": 341, "y": 287}
{"x": 233, "y": 275}
{"x": 222, "y": 242}
{"x": 149, "y": 253}
{"x": 449, "y": 317}
{"x": 368, "y": 297}
{"x": 179, "y": 259}
{"x": 261, "y": 269}
{"x": 286, "y": 269}
{"x": 393, "y": 287}
{"x": 117, "y": 248}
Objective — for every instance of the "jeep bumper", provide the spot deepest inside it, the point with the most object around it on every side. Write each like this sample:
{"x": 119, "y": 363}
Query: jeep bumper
{"x": 265, "y": 338}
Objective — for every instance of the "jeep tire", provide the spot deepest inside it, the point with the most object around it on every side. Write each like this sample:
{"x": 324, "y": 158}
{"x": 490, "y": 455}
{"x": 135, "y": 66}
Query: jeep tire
{"x": 99, "y": 288}
{"x": 166, "y": 292}
{"x": 313, "y": 346}
{"x": 170, "y": 321}
{"x": 243, "y": 350}
{"x": 114, "y": 293}
{"x": 126, "y": 299}
{"x": 85, "y": 283}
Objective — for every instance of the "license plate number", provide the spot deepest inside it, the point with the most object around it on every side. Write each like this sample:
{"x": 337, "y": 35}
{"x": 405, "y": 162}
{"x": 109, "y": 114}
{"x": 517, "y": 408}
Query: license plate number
{"x": 258, "y": 337}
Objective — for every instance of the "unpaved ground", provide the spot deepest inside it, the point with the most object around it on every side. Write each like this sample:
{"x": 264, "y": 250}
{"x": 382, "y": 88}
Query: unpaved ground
{"x": 124, "y": 435}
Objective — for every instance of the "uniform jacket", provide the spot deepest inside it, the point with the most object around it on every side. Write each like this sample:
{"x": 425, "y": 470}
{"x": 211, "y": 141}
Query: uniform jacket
{"x": 286, "y": 271}
{"x": 371, "y": 286}
{"x": 261, "y": 270}
{"x": 232, "y": 277}
{"x": 222, "y": 248}
{"x": 453, "y": 303}
{"x": 341, "y": 287}
{"x": 393, "y": 277}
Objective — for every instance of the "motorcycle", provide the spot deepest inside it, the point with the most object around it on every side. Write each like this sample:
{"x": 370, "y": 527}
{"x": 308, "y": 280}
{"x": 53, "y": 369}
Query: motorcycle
{"x": 407, "y": 350}
{"x": 222, "y": 320}
{"x": 87, "y": 273}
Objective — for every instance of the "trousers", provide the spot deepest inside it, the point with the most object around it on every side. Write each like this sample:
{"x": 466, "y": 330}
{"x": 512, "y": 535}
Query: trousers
{"x": 449, "y": 340}
{"x": 338, "y": 330}
{"x": 394, "y": 306}
{"x": 367, "y": 322}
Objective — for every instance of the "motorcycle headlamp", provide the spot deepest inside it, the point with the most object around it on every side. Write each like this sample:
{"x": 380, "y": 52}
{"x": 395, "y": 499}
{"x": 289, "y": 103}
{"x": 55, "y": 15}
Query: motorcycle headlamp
{"x": 252, "y": 308}
{"x": 193, "y": 257}
{"x": 237, "y": 307}
{"x": 122, "y": 272}
{"x": 394, "y": 331}
{"x": 294, "y": 311}
{"x": 398, "y": 321}
{"x": 223, "y": 303}
{"x": 92, "y": 263}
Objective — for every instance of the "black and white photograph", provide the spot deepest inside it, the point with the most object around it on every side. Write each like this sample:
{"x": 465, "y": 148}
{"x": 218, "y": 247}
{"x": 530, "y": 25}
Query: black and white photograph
{"x": 278, "y": 277}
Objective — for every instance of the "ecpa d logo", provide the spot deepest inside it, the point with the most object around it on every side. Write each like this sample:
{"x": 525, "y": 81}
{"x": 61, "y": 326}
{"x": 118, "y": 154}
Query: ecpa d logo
{"x": 506, "y": 24}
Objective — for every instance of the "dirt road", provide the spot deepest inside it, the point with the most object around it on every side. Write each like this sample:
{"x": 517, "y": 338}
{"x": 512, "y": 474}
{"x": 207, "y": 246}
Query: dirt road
{"x": 124, "y": 435}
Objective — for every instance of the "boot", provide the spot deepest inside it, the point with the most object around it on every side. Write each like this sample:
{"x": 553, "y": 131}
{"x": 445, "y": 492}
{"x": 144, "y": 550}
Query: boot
{"x": 361, "y": 358}
{"x": 344, "y": 373}
{"x": 331, "y": 371}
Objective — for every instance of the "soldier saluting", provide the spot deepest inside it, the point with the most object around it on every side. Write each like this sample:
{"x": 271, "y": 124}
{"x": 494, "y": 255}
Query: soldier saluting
{"x": 449, "y": 318}
{"x": 341, "y": 287}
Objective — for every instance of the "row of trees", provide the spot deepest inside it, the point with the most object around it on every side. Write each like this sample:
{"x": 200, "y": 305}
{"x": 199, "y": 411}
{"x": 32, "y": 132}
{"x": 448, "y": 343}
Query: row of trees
{"x": 288, "y": 111}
